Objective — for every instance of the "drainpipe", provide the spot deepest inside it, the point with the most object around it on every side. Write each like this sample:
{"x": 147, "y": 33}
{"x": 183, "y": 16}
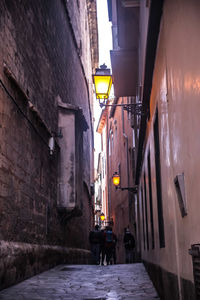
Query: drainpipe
{"x": 108, "y": 169}
{"x": 127, "y": 164}
{"x": 127, "y": 160}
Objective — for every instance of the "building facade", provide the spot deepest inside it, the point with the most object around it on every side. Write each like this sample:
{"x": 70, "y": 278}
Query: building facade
{"x": 102, "y": 170}
{"x": 48, "y": 52}
{"x": 162, "y": 40}
{"x": 117, "y": 205}
{"x": 167, "y": 185}
{"x": 116, "y": 123}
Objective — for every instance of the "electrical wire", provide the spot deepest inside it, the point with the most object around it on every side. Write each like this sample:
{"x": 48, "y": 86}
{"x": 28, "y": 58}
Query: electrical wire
{"x": 21, "y": 111}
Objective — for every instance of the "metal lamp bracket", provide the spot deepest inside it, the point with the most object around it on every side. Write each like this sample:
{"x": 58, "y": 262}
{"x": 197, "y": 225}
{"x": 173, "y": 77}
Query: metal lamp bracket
{"x": 133, "y": 108}
{"x": 130, "y": 189}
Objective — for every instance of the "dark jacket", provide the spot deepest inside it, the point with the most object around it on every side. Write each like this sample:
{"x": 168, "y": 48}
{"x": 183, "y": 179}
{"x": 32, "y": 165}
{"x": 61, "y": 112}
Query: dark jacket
{"x": 95, "y": 237}
{"x": 129, "y": 241}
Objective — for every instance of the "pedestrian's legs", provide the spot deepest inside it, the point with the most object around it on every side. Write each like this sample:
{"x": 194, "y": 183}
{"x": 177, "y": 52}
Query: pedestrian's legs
{"x": 108, "y": 254}
{"x": 95, "y": 249}
{"x": 102, "y": 255}
{"x": 93, "y": 253}
{"x": 98, "y": 254}
{"x": 128, "y": 256}
{"x": 131, "y": 256}
{"x": 114, "y": 255}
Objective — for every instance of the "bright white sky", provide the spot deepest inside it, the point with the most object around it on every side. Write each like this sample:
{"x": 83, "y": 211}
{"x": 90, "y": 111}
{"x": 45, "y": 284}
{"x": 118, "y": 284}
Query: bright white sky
{"x": 104, "y": 31}
{"x": 105, "y": 45}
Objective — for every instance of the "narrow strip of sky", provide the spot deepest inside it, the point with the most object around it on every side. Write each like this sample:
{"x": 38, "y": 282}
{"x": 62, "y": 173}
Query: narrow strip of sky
{"x": 105, "y": 45}
{"x": 104, "y": 33}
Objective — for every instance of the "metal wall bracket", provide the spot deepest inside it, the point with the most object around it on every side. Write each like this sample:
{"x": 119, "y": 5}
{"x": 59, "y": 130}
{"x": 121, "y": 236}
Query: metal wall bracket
{"x": 133, "y": 108}
{"x": 130, "y": 189}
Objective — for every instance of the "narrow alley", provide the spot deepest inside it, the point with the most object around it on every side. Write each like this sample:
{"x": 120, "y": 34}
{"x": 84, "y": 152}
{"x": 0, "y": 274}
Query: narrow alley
{"x": 85, "y": 282}
{"x": 99, "y": 149}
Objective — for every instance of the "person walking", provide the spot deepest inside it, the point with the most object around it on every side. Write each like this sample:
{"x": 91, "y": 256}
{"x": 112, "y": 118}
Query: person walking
{"x": 108, "y": 244}
{"x": 95, "y": 240}
{"x": 114, "y": 248}
{"x": 129, "y": 245}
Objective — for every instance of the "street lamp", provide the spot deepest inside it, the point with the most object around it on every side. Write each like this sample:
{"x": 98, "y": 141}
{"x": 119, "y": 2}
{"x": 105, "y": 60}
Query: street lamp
{"x": 116, "y": 182}
{"x": 102, "y": 217}
{"x": 116, "y": 179}
{"x": 102, "y": 80}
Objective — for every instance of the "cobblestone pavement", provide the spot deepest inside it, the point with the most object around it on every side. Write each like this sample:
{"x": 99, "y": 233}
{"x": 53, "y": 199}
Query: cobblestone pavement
{"x": 85, "y": 282}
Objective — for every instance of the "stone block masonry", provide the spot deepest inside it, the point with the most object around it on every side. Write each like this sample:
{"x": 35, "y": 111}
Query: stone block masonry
{"x": 19, "y": 261}
{"x": 122, "y": 282}
{"x": 38, "y": 48}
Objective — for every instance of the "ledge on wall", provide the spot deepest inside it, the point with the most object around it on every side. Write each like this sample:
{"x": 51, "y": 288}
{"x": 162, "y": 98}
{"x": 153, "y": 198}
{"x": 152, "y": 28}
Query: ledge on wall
{"x": 19, "y": 261}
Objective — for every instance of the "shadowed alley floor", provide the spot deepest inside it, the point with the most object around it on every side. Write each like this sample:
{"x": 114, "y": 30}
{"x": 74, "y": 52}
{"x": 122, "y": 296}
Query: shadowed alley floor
{"x": 85, "y": 282}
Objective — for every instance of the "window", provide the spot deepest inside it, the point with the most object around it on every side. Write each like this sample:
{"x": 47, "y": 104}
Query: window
{"x": 112, "y": 141}
{"x": 142, "y": 200}
{"x": 105, "y": 166}
{"x": 102, "y": 167}
{"x": 150, "y": 201}
{"x": 158, "y": 183}
{"x": 134, "y": 138}
{"x": 115, "y": 123}
{"x": 146, "y": 212}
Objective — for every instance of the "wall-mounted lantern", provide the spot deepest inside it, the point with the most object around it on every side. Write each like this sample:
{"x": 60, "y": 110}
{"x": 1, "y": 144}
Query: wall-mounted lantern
{"x": 102, "y": 217}
{"x": 116, "y": 182}
{"x": 116, "y": 179}
{"x": 103, "y": 80}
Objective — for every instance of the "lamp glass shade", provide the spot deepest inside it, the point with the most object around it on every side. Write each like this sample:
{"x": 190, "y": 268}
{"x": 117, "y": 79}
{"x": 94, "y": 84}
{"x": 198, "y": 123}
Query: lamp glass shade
{"x": 102, "y": 217}
{"x": 116, "y": 179}
{"x": 103, "y": 85}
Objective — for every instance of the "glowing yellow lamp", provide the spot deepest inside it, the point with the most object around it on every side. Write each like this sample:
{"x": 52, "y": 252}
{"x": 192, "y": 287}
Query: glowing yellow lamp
{"x": 102, "y": 86}
{"x": 116, "y": 179}
{"x": 102, "y": 82}
{"x": 102, "y": 217}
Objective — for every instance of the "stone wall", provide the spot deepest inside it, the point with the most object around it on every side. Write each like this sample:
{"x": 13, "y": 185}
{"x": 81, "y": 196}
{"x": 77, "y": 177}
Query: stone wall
{"x": 40, "y": 65}
{"x": 19, "y": 261}
{"x": 41, "y": 55}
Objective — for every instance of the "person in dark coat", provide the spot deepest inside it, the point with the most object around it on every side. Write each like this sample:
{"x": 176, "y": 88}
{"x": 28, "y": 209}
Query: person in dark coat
{"x": 114, "y": 248}
{"x": 95, "y": 240}
{"x": 129, "y": 245}
{"x": 109, "y": 244}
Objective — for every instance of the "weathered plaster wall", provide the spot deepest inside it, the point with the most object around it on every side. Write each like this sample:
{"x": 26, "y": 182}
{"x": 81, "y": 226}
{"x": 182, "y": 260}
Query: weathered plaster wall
{"x": 122, "y": 202}
{"x": 175, "y": 92}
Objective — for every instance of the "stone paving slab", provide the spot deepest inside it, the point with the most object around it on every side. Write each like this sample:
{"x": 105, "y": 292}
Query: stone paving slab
{"x": 86, "y": 282}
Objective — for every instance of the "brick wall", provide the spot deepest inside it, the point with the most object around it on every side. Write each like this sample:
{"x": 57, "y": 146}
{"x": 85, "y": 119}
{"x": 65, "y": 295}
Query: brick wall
{"x": 39, "y": 50}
